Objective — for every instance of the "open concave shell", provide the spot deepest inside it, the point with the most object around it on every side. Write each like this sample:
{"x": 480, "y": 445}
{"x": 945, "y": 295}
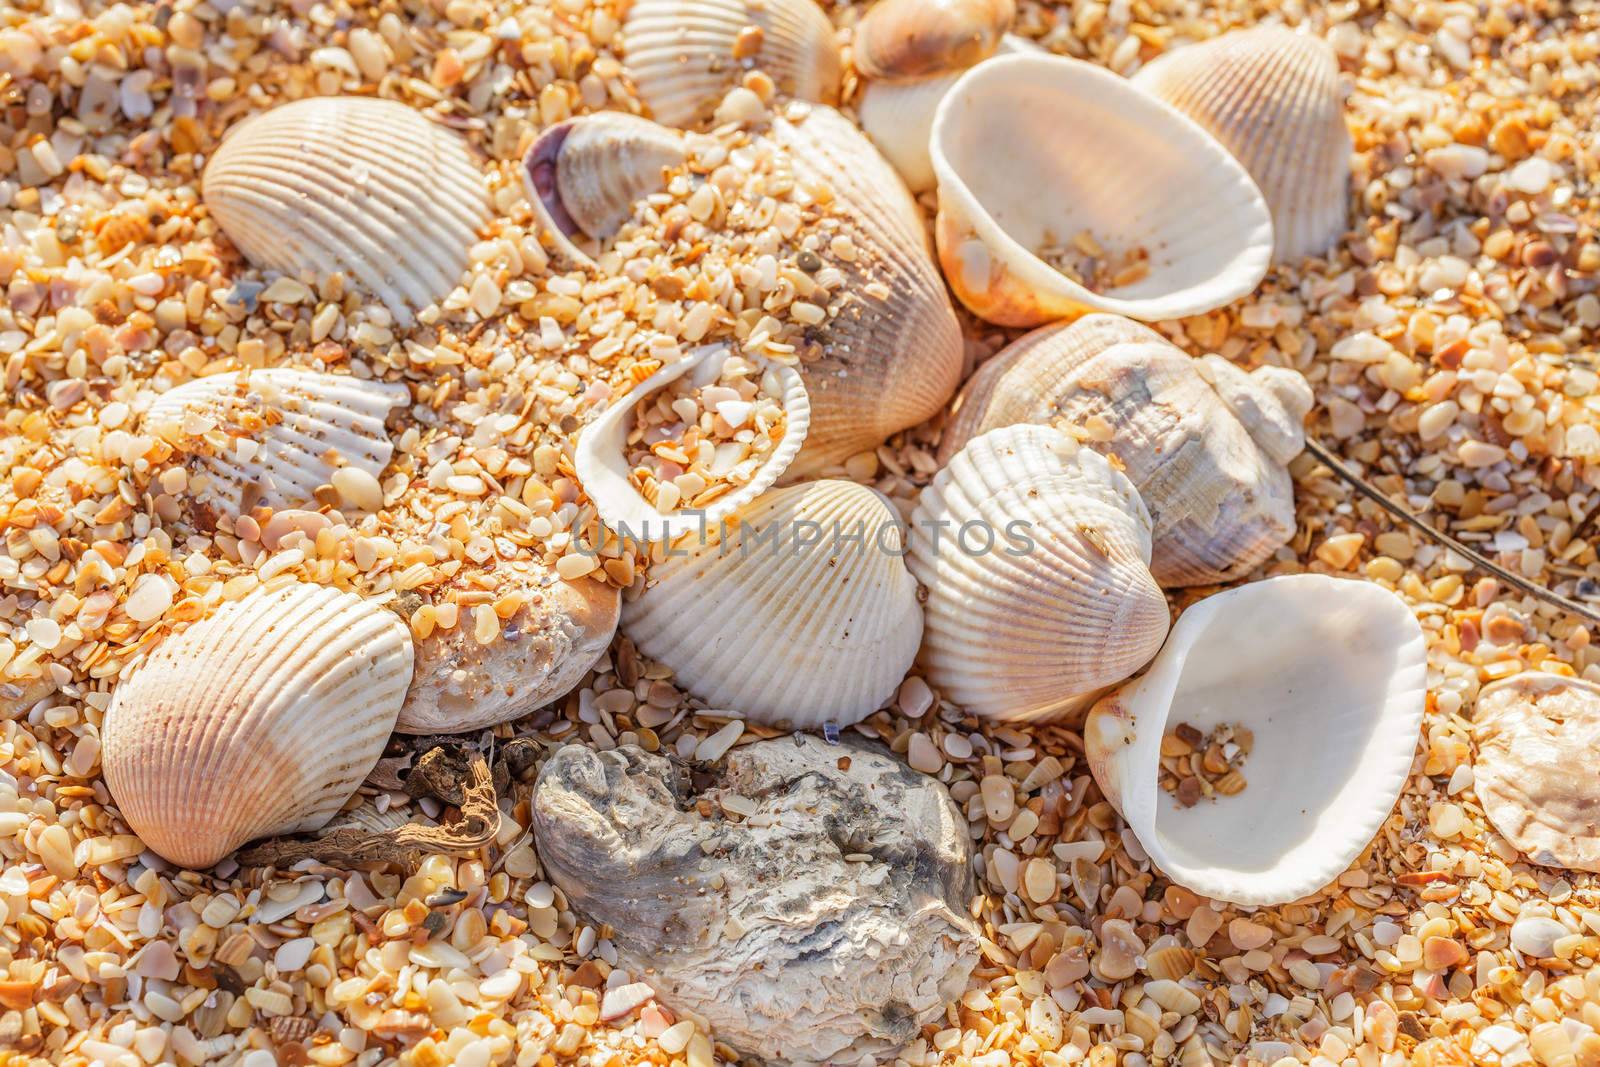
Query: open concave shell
{"x": 783, "y": 619}
{"x": 355, "y": 184}
{"x": 1034, "y": 551}
{"x": 1273, "y": 98}
{"x": 259, "y": 720}
{"x": 684, "y": 55}
{"x": 1330, "y": 676}
{"x": 899, "y": 39}
{"x": 1031, "y": 150}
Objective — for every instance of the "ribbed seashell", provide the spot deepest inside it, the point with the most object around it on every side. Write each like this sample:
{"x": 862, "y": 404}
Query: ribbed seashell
{"x": 1171, "y": 962}
{"x": 684, "y": 55}
{"x": 1206, "y": 444}
{"x": 261, "y": 719}
{"x": 600, "y": 458}
{"x": 274, "y": 437}
{"x": 1033, "y": 150}
{"x": 1273, "y": 98}
{"x": 355, "y": 184}
{"x": 1329, "y": 675}
{"x": 536, "y": 655}
{"x": 1051, "y": 599}
{"x": 899, "y": 39}
{"x": 783, "y": 619}
{"x": 890, "y": 356}
{"x": 584, "y": 176}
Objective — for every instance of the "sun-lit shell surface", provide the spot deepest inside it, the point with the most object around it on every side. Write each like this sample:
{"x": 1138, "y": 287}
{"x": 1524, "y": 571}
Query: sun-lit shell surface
{"x": 259, "y": 720}
{"x": 828, "y": 927}
{"x": 684, "y": 55}
{"x": 601, "y": 458}
{"x": 584, "y": 176}
{"x": 791, "y": 623}
{"x": 1049, "y": 599}
{"x": 273, "y": 437}
{"x": 910, "y": 38}
{"x": 1330, "y": 676}
{"x": 1538, "y": 768}
{"x": 891, "y": 356}
{"x": 1273, "y": 98}
{"x": 1034, "y": 150}
{"x": 355, "y": 184}
{"x": 537, "y": 654}
{"x": 1206, "y": 443}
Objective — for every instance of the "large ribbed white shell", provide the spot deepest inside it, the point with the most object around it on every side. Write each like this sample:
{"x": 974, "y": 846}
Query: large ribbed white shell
{"x": 1034, "y": 150}
{"x": 1330, "y": 676}
{"x": 273, "y": 437}
{"x": 787, "y": 619}
{"x": 355, "y": 184}
{"x": 1206, "y": 444}
{"x": 1273, "y": 98}
{"x": 898, "y": 39}
{"x": 1034, "y": 551}
{"x": 889, "y": 356}
{"x": 684, "y": 55}
{"x": 259, "y": 720}
{"x": 602, "y": 467}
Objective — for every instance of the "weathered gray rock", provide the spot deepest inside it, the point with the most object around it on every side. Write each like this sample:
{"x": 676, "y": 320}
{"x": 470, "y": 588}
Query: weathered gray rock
{"x": 826, "y": 927}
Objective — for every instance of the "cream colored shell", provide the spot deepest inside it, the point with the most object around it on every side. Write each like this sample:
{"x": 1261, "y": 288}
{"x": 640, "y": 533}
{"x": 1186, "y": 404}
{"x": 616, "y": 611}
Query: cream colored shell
{"x": 787, "y": 619}
{"x": 1034, "y": 552}
{"x": 273, "y": 437}
{"x": 1030, "y": 150}
{"x": 1206, "y": 443}
{"x": 261, "y": 719}
{"x": 684, "y": 55}
{"x": 1273, "y": 98}
{"x": 899, "y": 39}
{"x": 1329, "y": 675}
{"x": 355, "y": 184}
{"x": 1538, "y": 768}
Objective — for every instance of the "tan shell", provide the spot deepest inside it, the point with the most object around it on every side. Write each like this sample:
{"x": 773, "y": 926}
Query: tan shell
{"x": 584, "y": 176}
{"x": 538, "y": 653}
{"x": 1273, "y": 98}
{"x": 259, "y": 720}
{"x": 684, "y": 55}
{"x": 1538, "y": 768}
{"x": 1206, "y": 444}
{"x": 891, "y": 356}
{"x": 355, "y": 184}
{"x": 1035, "y": 553}
{"x": 910, "y": 38}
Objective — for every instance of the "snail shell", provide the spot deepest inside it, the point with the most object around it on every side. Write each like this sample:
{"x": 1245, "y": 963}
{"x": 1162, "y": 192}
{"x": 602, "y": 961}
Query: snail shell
{"x": 908, "y": 38}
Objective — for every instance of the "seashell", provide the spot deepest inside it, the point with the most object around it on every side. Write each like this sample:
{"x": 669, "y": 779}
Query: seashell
{"x": 889, "y": 356}
{"x": 770, "y": 928}
{"x": 909, "y": 38}
{"x": 780, "y": 617}
{"x": 684, "y": 55}
{"x": 355, "y": 184}
{"x": 584, "y": 176}
{"x": 1330, "y": 676}
{"x": 1120, "y": 166}
{"x": 1273, "y": 98}
{"x": 601, "y": 464}
{"x": 536, "y": 654}
{"x": 1535, "y": 775}
{"x": 1171, "y": 962}
{"x": 1055, "y": 600}
{"x": 260, "y": 720}
{"x": 274, "y": 437}
{"x": 1206, "y": 443}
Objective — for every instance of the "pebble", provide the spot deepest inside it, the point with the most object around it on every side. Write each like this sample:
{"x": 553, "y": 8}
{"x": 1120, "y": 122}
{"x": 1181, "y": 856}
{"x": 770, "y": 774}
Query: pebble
{"x": 55, "y": 849}
{"x": 717, "y": 745}
{"x": 1532, "y": 176}
{"x": 999, "y": 797}
{"x": 1536, "y": 935}
{"x": 1442, "y": 953}
{"x": 923, "y": 755}
{"x": 1246, "y": 935}
{"x": 358, "y": 488}
{"x": 624, "y": 999}
{"x": 150, "y": 599}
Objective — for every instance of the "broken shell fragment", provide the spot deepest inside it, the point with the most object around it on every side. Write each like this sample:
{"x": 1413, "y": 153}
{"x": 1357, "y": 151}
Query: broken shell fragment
{"x": 899, "y": 39}
{"x": 1538, "y": 735}
{"x": 1133, "y": 184}
{"x": 361, "y": 185}
{"x": 825, "y": 923}
{"x": 1329, "y": 675}
{"x": 261, "y": 719}
{"x": 1035, "y": 555}
{"x": 805, "y": 612}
